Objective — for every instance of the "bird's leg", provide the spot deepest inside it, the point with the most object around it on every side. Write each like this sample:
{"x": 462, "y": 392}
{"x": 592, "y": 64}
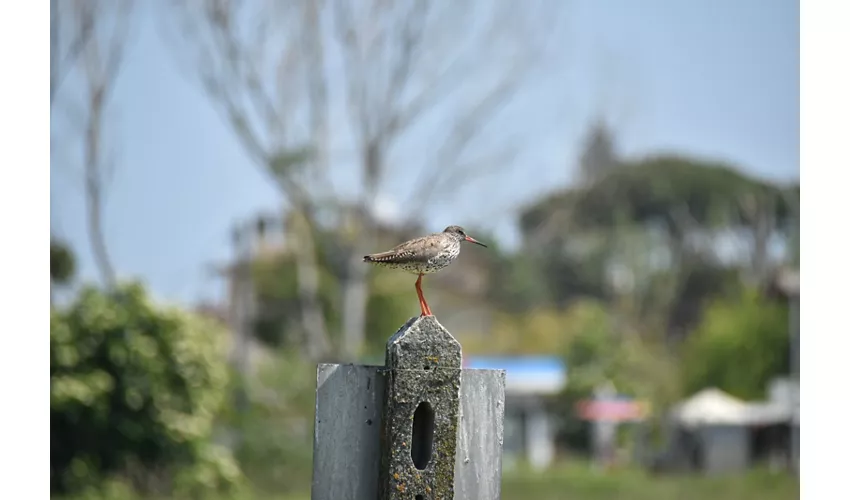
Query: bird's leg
{"x": 422, "y": 305}
{"x": 426, "y": 311}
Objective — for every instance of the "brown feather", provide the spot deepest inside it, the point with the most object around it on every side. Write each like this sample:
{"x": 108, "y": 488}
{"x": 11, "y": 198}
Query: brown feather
{"x": 410, "y": 251}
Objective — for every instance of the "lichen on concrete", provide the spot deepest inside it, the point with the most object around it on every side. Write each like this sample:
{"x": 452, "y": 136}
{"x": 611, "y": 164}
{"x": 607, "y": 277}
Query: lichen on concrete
{"x": 423, "y": 364}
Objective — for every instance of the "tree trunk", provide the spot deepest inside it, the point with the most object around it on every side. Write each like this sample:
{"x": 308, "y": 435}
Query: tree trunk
{"x": 355, "y": 301}
{"x": 308, "y": 272}
{"x": 763, "y": 222}
{"x": 355, "y": 286}
{"x": 307, "y": 275}
{"x": 94, "y": 199}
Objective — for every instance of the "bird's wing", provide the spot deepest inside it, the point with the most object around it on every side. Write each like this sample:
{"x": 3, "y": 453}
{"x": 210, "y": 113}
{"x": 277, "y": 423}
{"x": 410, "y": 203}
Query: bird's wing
{"x": 410, "y": 251}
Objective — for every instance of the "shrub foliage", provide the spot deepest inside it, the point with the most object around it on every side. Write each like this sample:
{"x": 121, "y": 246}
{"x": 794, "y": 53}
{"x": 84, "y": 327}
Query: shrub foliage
{"x": 134, "y": 392}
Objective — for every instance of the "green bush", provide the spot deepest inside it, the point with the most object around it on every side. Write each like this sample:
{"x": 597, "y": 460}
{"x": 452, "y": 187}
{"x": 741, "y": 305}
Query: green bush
{"x": 62, "y": 262}
{"x": 134, "y": 392}
{"x": 599, "y": 349}
{"x": 741, "y": 343}
{"x": 275, "y": 432}
{"x": 279, "y": 321}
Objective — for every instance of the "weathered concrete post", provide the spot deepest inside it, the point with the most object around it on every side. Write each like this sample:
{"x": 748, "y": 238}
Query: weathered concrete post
{"x": 419, "y": 428}
{"x": 421, "y": 412}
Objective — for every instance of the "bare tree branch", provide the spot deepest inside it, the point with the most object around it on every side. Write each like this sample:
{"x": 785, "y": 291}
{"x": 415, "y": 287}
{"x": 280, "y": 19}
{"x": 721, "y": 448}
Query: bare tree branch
{"x": 385, "y": 51}
{"x": 400, "y": 59}
{"x": 446, "y": 168}
{"x": 101, "y": 59}
{"x": 63, "y": 58}
{"x": 263, "y": 99}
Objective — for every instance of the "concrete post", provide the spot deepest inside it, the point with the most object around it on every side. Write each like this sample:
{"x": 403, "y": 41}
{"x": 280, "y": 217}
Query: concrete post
{"x": 418, "y": 428}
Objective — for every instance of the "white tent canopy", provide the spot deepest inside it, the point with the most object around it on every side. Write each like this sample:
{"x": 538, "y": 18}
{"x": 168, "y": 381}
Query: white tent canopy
{"x": 714, "y": 407}
{"x": 711, "y": 407}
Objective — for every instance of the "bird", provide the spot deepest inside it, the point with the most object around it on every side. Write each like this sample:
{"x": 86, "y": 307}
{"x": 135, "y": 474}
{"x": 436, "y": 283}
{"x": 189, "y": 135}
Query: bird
{"x": 424, "y": 255}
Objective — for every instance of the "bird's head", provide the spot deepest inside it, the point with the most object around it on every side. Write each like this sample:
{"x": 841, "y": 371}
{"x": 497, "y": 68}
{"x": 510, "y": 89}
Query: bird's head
{"x": 459, "y": 233}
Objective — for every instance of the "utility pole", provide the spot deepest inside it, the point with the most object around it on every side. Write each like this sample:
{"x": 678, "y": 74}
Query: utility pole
{"x": 238, "y": 308}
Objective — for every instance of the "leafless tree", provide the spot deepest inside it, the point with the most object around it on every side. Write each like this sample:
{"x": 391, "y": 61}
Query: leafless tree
{"x": 66, "y": 43}
{"x": 101, "y": 27}
{"x": 67, "y": 40}
{"x": 278, "y": 70}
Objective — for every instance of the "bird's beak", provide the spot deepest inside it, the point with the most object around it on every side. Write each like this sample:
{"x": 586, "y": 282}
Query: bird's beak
{"x": 473, "y": 240}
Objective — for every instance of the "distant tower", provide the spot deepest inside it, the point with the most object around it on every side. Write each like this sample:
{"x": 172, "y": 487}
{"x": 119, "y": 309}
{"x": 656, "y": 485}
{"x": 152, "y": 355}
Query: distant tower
{"x": 599, "y": 155}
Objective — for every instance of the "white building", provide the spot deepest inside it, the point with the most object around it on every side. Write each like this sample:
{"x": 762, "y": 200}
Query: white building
{"x": 715, "y": 432}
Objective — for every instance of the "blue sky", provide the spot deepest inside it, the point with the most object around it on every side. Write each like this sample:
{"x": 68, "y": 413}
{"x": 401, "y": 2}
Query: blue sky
{"x": 718, "y": 79}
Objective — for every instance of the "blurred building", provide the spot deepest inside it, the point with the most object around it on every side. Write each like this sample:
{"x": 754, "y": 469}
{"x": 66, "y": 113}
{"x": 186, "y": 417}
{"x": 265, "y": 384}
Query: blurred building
{"x": 607, "y": 410}
{"x": 529, "y": 383}
{"x": 714, "y": 432}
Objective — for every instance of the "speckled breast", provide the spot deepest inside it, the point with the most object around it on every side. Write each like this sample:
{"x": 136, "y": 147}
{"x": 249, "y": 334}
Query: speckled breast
{"x": 442, "y": 260}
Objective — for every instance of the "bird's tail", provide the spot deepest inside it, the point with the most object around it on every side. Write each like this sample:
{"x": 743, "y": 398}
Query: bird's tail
{"x": 382, "y": 257}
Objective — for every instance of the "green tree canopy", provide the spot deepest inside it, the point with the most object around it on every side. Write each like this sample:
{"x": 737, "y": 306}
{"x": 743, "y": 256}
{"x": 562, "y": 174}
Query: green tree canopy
{"x": 646, "y": 232}
{"x": 278, "y": 322}
{"x": 62, "y": 262}
{"x": 135, "y": 388}
{"x": 740, "y": 345}
{"x": 655, "y": 190}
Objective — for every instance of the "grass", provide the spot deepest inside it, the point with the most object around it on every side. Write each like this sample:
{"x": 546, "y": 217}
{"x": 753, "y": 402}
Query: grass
{"x": 576, "y": 481}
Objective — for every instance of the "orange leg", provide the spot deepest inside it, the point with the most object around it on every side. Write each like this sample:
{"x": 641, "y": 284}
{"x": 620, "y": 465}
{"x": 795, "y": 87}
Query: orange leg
{"x": 426, "y": 311}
